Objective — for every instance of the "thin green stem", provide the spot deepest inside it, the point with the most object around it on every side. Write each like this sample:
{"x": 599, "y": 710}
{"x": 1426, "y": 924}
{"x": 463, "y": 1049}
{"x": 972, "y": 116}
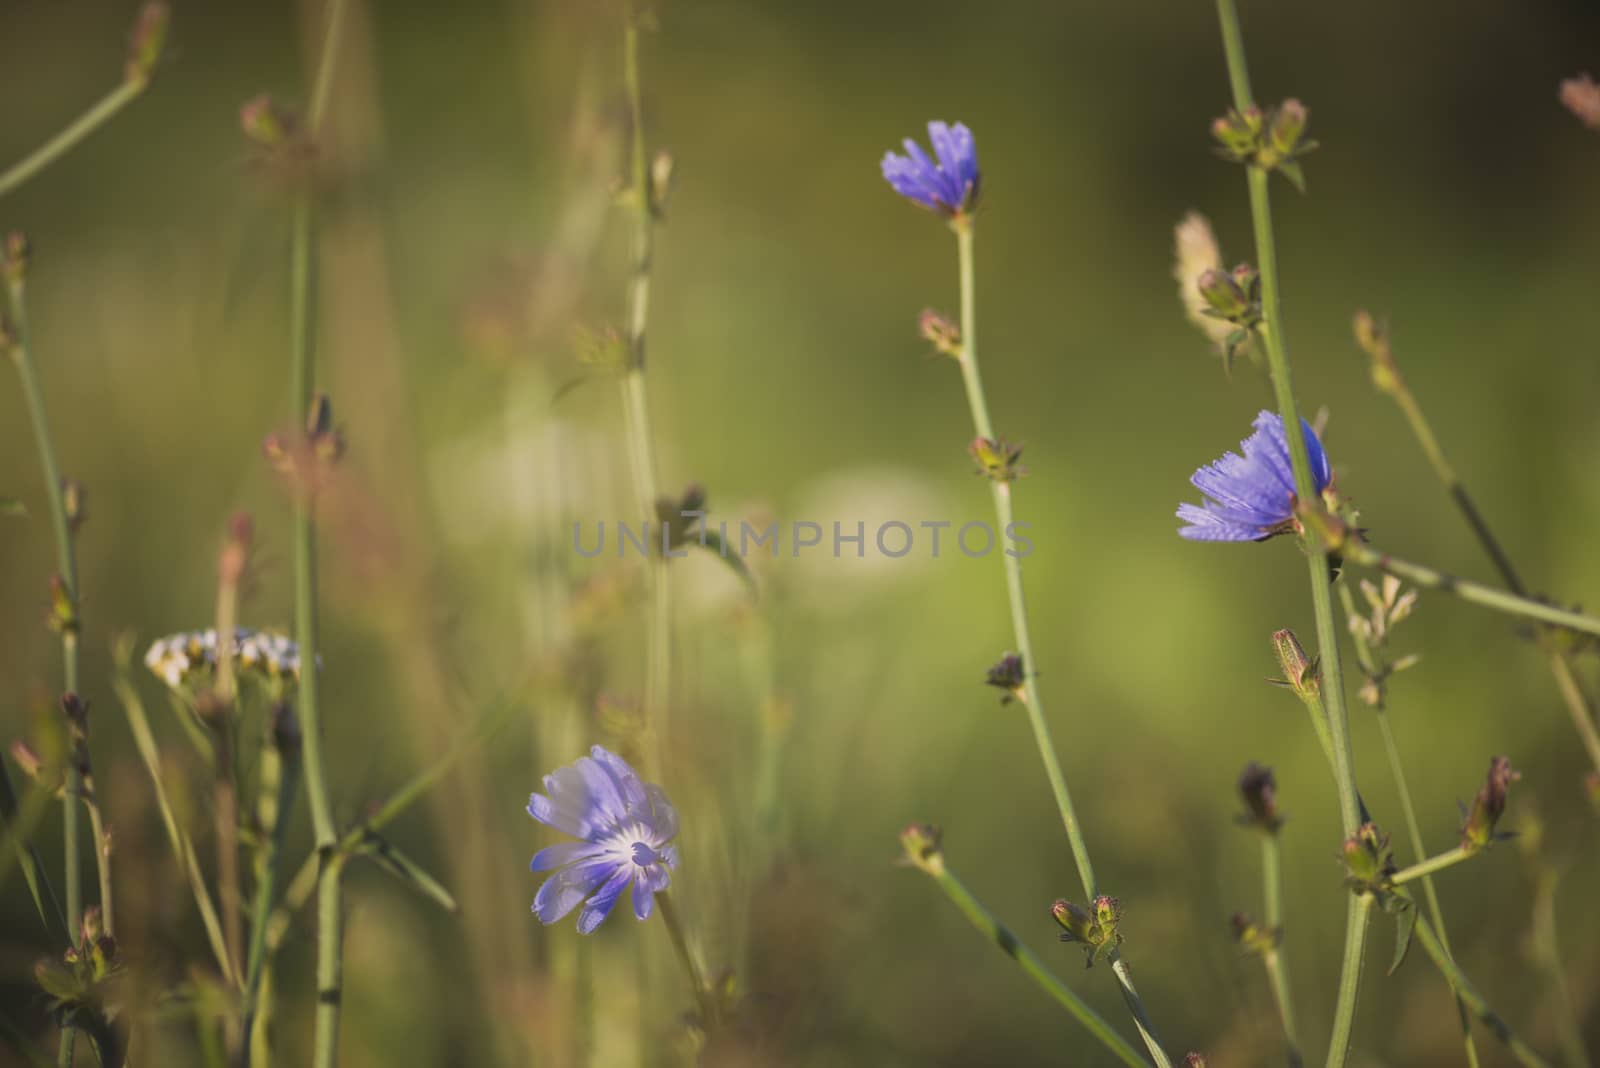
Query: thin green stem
{"x": 1316, "y": 558}
{"x": 302, "y": 296}
{"x": 79, "y": 129}
{"x": 636, "y": 400}
{"x": 704, "y": 998}
{"x": 1473, "y": 592}
{"x": 1032, "y": 966}
{"x": 1464, "y": 989}
{"x": 67, "y": 564}
{"x": 1357, "y": 913}
{"x": 1424, "y": 868}
{"x": 1277, "y": 968}
{"x": 1001, "y": 492}
{"x": 288, "y": 773}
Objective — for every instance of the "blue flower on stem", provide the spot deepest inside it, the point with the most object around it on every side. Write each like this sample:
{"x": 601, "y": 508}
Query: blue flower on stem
{"x": 1251, "y": 497}
{"x": 950, "y": 186}
{"x": 623, "y": 825}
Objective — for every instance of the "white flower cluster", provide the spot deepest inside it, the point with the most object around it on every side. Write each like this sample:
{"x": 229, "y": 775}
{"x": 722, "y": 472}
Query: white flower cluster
{"x": 176, "y": 657}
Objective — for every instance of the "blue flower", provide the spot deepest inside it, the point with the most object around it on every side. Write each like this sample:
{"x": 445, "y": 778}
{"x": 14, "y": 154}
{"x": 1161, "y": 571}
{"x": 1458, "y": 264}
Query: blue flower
{"x": 624, "y": 826}
{"x": 950, "y": 186}
{"x": 1251, "y": 497}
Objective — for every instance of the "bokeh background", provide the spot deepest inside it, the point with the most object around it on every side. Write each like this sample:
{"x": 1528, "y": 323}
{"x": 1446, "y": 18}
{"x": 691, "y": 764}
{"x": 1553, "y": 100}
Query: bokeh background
{"x": 468, "y": 228}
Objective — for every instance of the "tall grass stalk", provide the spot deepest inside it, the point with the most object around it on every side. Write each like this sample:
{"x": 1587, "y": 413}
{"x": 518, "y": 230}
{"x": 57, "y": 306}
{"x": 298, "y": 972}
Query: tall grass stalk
{"x": 1359, "y": 907}
{"x": 1000, "y": 490}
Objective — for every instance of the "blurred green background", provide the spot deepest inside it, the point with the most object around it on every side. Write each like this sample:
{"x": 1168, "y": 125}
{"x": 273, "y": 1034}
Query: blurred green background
{"x": 467, "y": 229}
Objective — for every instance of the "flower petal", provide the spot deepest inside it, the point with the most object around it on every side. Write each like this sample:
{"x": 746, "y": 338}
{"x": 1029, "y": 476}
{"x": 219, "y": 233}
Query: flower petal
{"x": 562, "y": 892}
{"x": 598, "y": 907}
{"x": 559, "y": 856}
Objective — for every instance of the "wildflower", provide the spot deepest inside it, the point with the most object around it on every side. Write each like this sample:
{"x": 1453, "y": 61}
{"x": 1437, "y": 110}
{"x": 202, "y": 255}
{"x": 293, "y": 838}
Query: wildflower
{"x": 624, "y": 826}
{"x": 950, "y": 186}
{"x": 177, "y": 658}
{"x": 1251, "y": 497}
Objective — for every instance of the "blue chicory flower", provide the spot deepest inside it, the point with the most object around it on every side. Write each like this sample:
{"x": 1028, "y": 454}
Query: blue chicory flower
{"x": 949, "y": 186}
{"x": 623, "y": 825}
{"x": 1251, "y": 497}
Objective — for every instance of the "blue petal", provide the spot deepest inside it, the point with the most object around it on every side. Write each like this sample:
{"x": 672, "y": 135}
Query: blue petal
{"x": 559, "y": 856}
{"x": 647, "y": 882}
{"x": 598, "y": 907}
{"x": 628, "y": 785}
{"x": 562, "y": 892}
{"x": 1206, "y": 525}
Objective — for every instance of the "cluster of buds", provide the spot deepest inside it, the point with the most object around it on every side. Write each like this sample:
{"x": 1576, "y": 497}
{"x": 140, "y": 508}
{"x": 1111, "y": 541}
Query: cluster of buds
{"x": 1259, "y": 789}
{"x": 82, "y": 973}
{"x": 1273, "y": 142}
{"x": 1478, "y": 823}
{"x": 1094, "y": 928}
{"x": 1232, "y": 297}
{"x": 1374, "y": 341}
{"x": 178, "y": 659}
{"x": 1254, "y": 937}
{"x": 940, "y": 331}
{"x": 924, "y": 846}
{"x": 1388, "y": 607}
{"x": 997, "y": 459}
{"x": 1368, "y": 860}
{"x": 1008, "y": 675}
{"x": 283, "y": 147}
{"x": 307, "y": 461}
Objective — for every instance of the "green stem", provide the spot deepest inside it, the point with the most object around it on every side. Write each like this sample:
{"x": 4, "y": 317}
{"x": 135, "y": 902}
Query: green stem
{"x": 636, "y": 401}
{"x": 1316, "y": 557}
{"x": 1001, "y": 492}
{"x": 703, "y": 996}
{"x": 1473, "y": 592}
{"x": 1547, "y": 951}
{"x": 266, "y": 886}
{"x": 1277, "y": 968}
{"x": 1424, "y": 868}
{"x": 67, "y": 563}
{"x": 1473, "y": 1000}
{"x": 330, "y": 942}
{"x": 80, "y": 128}
{"x": 1034, "y": 968}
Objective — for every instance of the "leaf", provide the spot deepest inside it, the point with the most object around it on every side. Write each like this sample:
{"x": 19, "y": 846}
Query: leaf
{"x": 1405, "y": 923}
{"x": 402, "y": 867}
{"x": 715, "y": 543}
{"x": 1296, "y": 176}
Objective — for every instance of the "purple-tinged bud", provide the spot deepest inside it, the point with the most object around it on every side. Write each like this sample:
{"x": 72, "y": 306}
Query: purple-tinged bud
{"x": 146, "y": 42}
{"x": 924, "y": 846}
{"x": 1260, "y": 792}
{"x": 1194, "y": 1060}
{"x": 1478, "y": 830}
{"x": 1075, "y": 921}
{"x": 1288, "y": 128}
{"x": 267, "y": 123}
{"x": 1223, "y": 294}
{"x": 1094, "y": 928}
{"x": 1008, "y": 675}
{"x": 941, "y": 332}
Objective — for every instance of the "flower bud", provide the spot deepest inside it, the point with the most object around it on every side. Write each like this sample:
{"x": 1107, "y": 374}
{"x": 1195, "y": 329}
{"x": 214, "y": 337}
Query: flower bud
{"x": 941, "y": 332}
{"x": 1008, "y": 675}
{"x": 1220, "y": 291}
{"x": 1368, "y": 858}
{"x": 1478, "y": 830}
{"x": 923, "y": 843}
{"x": 997, "y": 458}
{"x": 1075, "y": 921}
{"x": 1288, "y": 127}
{"x": 18, "y": 254}
{"x": 1194, "y": 1060}
{"x": 266, "y": 122}
{"x": 1259, "y": 790}
{"x": 1094, "y": 928}
{"x": 1301, "y": 673}
{"x": 145, "y": 43}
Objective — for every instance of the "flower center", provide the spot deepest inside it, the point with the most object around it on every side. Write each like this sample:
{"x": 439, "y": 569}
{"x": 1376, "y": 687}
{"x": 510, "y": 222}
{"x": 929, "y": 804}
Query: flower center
{"x": 643, "y": 855}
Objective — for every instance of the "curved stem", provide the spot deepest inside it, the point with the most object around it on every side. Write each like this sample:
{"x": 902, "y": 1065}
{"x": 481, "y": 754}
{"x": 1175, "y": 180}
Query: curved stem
{"x": 1035, "y": 969}
{"x": 78, "y": 130}
{"x": 1001, "y": 492}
